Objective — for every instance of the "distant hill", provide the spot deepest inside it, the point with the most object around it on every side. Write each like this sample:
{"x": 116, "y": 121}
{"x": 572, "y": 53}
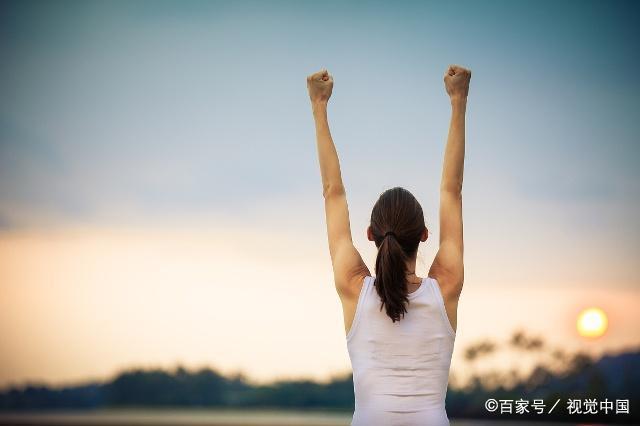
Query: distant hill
{"x": 612, "y": 377}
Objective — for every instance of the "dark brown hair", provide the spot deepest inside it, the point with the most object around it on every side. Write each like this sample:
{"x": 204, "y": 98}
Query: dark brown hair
{"x": 397, "y": 223}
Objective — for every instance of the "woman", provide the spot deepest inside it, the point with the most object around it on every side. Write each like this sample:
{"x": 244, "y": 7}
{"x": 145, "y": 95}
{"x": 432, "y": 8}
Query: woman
{"x": 400, "y": 328}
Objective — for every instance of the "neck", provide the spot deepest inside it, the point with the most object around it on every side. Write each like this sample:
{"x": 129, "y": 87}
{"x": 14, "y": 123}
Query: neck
{"x": 411, "y": 269}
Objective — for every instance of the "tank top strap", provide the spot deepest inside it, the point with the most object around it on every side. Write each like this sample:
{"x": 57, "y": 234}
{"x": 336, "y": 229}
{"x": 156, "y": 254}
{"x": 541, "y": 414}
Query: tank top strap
{"x": 367, "y": 287}
{"x": 437, "y": 294}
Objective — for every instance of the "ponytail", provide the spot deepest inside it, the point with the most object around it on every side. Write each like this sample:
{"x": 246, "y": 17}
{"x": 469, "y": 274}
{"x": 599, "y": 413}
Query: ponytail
{"x": 397, "y": 226}
{"x": 391, "y": 282}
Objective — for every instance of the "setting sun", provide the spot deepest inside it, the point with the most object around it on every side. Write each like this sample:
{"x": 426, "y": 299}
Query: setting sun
{"x": 592, "y": 322}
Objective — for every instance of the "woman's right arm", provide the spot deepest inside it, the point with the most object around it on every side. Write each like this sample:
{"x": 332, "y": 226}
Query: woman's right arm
{"x": 448, "y": 266}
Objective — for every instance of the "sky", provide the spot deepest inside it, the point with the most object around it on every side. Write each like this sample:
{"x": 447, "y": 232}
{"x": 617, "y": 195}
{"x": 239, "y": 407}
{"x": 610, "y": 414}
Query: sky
{"x": 161, "y": 202}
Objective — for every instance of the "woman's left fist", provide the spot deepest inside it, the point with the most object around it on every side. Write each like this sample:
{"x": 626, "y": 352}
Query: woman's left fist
{"x": 320, "y": 85}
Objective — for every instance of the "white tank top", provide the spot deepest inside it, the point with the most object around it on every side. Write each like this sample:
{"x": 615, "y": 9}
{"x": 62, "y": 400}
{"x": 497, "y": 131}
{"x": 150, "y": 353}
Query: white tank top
{"x": 401, "y": 369}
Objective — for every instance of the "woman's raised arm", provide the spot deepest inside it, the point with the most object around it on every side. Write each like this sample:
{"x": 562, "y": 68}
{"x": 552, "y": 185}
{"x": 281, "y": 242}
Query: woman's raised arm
{"x": 348, "y": 267}
{"x": 448, "y": 266}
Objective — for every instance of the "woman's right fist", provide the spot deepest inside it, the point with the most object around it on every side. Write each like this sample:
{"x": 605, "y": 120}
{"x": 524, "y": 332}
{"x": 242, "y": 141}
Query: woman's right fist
{"x": 456, "y": 81}
{"x": 320, "y": 85}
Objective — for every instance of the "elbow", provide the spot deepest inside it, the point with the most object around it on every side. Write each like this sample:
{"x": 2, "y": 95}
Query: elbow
{"x": 330, "y": 190}
{"x": 454, "y": 189}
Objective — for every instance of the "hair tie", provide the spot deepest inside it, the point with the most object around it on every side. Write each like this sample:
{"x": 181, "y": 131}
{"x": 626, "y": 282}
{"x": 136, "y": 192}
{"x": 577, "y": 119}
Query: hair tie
{"x": 389, "y": 233}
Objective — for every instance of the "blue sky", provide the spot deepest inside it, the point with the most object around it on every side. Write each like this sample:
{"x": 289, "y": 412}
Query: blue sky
{"x": 192, "y": 105}
{"x": 142, "y": 111}
{"x": 196, "y": 115}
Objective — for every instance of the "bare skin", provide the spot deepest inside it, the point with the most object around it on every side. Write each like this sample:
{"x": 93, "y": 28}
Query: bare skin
{"x": 349, "y": 269}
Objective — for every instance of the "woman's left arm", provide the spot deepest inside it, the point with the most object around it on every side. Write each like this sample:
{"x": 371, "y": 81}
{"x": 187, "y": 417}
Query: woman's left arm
{"x": 349, "y": 269}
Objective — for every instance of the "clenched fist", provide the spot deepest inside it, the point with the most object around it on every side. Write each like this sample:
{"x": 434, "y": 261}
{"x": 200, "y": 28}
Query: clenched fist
{"x": 320, "y": 85}
{"x": 456, "y": 81}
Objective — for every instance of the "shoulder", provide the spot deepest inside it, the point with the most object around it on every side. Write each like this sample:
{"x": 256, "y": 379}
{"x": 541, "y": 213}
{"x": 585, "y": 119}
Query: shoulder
{"x": 450, "y": 284}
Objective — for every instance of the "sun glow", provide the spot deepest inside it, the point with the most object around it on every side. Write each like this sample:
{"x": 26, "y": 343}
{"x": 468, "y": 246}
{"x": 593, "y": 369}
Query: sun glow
{"x": 592, "y": 322}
